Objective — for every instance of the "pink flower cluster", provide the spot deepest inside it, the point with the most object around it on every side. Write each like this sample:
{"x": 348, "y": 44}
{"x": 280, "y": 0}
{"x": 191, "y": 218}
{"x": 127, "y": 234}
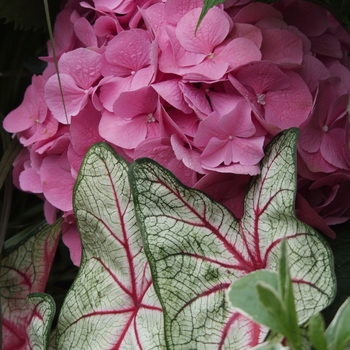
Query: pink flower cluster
{"x": 135, "y": 74}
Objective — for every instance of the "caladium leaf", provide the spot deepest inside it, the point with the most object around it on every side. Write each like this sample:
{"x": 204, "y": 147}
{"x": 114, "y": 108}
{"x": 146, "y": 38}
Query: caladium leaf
{"x": 24, "y": 269}
{"x": 196, "y": 248}
{"x": 43, "y": 310}
{"x": 112, "y": 303}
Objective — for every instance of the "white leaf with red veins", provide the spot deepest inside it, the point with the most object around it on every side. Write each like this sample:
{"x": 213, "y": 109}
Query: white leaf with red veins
{"x": 196, "y": 248}
{"x": 112, "y": 303}
{"x": 43, "y": 308}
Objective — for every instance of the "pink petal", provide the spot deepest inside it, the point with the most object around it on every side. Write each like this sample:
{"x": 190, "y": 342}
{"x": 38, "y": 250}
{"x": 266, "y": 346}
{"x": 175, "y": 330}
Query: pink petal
{"x": 39, "y": 132}
{"x": 238, "y": 122}
{"x": 327, "y": 44}
{"x": 289, "y": 107}
{"x": 19, "y": 119}
{"x": 170, "y": 91}
{"x": 189, "y": 156}
{"x": 29, "y": 181}
{"x": 223, "y": 102}
{"x": 71, "y": 239}
{"x": 236, "y": 168}
{"x": 175, "y": 9}
{"x": 212, "y": 31}
{"x": 111, "y": 88}
{"x": 161, "y": 151}
{"x": 332, "y": 148}
{"x": 57, "y": 181}
{"x": 226, "y": 188}
{"x": 31, "y": 111}
{"x": 75, "y": 98}
{"x": 196, "y": 99}
{"x": 50, "y": 213}
{"x": 312, "y": 71}
{"x": 238, "y": 52}
{"x": 262, "y": 77}
{"x": 106, "y": 26}
{"x": 256, "y": 11}
{"x": 247, "y": 152}
{"x": 123, "y": 133}
{"x": 155, "y": 17}
{"x": 306, "y": 214}
{"x": 85, "y": 32}
{"x": 127, "y": 53}
{"x": 134, "y": 103}
{"x": 182, "y": 57}
{"x": 83, "y": 65}
{"x": 85, "y": 123}
{"x": 64, "y": 33}
{"x": 310, "y": 138}
{"x": 248, "y": 31}
{"x": 315, "y": 162}
{"x": 309, "y": 18}
{"x": 281, "y": 46}
{"x": 208, "y": 129}
{"x": 117, "y": 6}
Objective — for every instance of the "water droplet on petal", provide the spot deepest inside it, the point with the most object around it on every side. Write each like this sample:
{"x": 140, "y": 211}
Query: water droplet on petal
{"x": 325, "y": 128}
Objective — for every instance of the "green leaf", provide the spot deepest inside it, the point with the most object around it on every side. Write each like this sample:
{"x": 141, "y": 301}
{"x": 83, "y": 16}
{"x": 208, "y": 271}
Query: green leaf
{"x": 208, "y": 4}
{"x": 24, "y": 270}
{"x": 340, "y": 248}
{"x": 43, "y": 310}
{"x": 8, "y": 159}
{"x": 338, "y": 332}
{"x": 243, "y": 295}
{"x": 274, "y": 306}
{"x": 112, "y": 303}
{"x": 196, "y": 249}
{"x": 268, "y": 346}
{"x": 286, "y": 290}
{"x": 316, "y": 332}
{"x": 27, "y": 15}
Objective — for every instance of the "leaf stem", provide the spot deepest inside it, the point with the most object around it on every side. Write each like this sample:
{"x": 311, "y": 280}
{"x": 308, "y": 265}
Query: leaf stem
{"x": 49, "y": 27}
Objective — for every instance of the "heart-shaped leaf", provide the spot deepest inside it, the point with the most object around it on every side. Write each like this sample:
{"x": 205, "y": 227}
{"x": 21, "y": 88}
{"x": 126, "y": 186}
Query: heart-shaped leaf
{"x": 43, "y": 310}
{"x": 24, "y": 269}
{"x": 196, "y": 248}
{"x": 112, "y": 303}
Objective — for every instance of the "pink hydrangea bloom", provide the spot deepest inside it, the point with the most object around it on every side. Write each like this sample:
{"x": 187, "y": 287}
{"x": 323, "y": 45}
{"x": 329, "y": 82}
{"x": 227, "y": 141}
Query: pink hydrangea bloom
{"x": 135, "y": 74}
{"x": 322, "y": 137}
{"x": 229, "y": 140}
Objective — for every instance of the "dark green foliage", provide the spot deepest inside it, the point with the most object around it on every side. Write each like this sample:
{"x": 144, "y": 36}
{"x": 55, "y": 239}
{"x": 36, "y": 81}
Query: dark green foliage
{"x": 27, "y": 14}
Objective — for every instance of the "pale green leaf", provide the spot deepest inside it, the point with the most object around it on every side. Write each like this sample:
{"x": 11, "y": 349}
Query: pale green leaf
{"x": 286, "y": 290}
{"x": 112, "y": 303}
{"x": 244, "y": 296}
{"x": 316, "y": 332}
{"x": 338, "y": 332}
{"x": 196, "y": 248}
{"x": 268, "y": 346}
{"x": 43, "y": 310}
{"x": 274, "y": 306}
